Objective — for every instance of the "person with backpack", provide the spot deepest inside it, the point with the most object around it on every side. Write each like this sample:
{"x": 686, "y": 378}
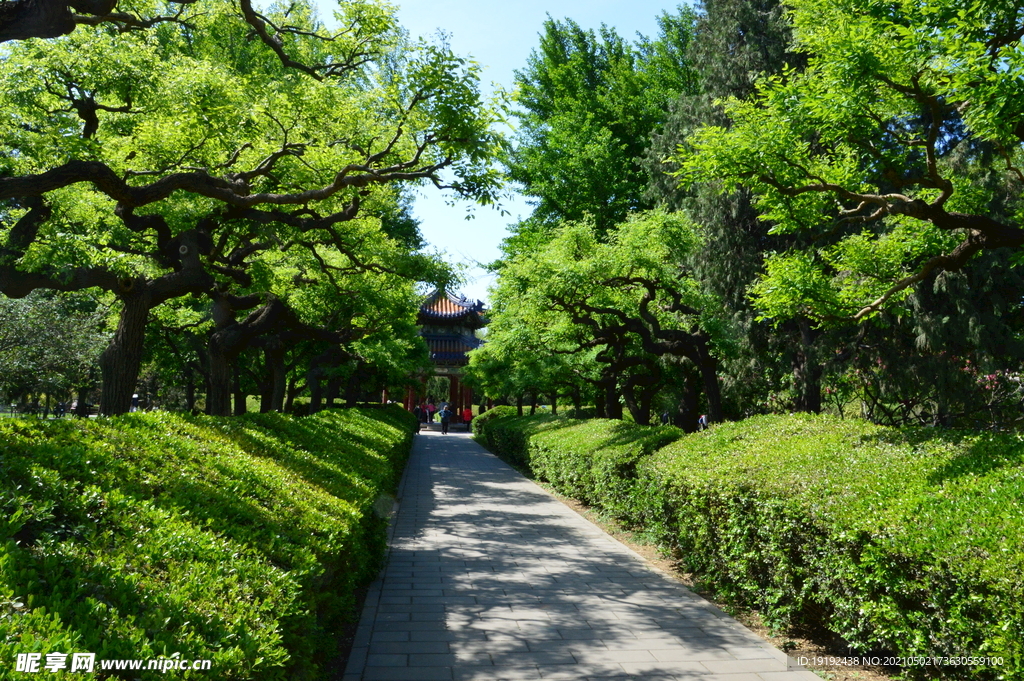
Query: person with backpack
{"x": 446, "y": 417}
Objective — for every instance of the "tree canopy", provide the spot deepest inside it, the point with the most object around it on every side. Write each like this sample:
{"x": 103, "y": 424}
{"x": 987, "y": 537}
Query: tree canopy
{"x": 189, "y": 159}
{"x": 897, "y": 149}
{"x": 587, "y": 105}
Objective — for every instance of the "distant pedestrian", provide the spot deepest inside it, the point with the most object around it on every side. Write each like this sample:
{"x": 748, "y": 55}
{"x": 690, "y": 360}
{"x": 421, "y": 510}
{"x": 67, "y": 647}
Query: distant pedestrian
{"x": 664, "y": 418}
{"x": 467, "y": 416}
{"x": 135, "y": 402}
{"x": 418, "y": 413}
{"x": 702, "y": 422}
{"x": 430, "y": 411}
{"x": 446, "y": 417}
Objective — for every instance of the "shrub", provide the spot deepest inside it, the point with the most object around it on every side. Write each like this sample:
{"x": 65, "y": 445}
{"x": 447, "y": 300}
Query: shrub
{"x": 596, "y": 462}
{"x": 902, "y": 540}
{"x": 237, "y": 540}
{"x": 906, "y": 540}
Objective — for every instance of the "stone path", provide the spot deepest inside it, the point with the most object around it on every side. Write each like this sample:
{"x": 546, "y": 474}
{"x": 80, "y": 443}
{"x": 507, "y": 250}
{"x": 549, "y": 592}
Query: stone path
{"x": 491, "y": 578}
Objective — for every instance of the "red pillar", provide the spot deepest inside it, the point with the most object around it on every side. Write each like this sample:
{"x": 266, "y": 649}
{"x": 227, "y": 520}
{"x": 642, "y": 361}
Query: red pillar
{"x": 454, "y": 394}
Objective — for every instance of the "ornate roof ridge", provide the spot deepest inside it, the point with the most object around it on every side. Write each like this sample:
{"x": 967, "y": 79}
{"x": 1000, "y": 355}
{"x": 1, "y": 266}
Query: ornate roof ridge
{"x": 449, "y": 307}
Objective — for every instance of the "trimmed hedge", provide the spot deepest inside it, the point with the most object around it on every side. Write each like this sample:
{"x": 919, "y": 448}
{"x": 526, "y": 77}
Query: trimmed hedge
{"x": 909, "y": 541}
{"x": 237, "y": 540}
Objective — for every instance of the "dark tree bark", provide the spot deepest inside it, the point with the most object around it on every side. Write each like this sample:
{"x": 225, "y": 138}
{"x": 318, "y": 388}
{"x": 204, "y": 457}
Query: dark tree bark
{"x": 519, "y": 405}
{"x": 612, "y": 405}
{"x": 807, "y": 371}
{"x": 23, "y": 19}
{"x": 708, "y": 366}
{"x": 689, "y": 403}
{"x": 600, "y": 407}
{"x": 333, "y": 389}
{"x": 554, "y": 404}
{"x": 629, "y": 395}
{"x": 190, "y": 389}
{"x": 236, "y": 384}
{"x": 274, "y": 387}
{"x": 292, "y": 393}
{"x": 121, "y": 360}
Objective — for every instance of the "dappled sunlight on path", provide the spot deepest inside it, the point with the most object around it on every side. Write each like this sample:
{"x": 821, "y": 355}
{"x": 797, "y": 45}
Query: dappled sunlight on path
{"x": 490, "y": 577}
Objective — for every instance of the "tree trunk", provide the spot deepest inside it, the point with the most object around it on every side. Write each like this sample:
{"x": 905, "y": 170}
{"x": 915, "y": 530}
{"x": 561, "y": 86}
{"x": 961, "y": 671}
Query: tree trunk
{"x": 352, "y": 387}
{"x": 278, "y": 378}
{"x": 807, "y": 372}
{"x": 218, "y": 399}
{"x": 612, "y": 405}
{"x": 689, "y": 403}
{"x": 122, "y": 359}
{"x": 646, "y": 397}
{"x": 554, "y": 404}
{"x": 599, "y": 403}
{"x": 577, "y": 401}
{"x": 712, "y": 391}
{"x": 291, "y": 393}
{"x": 333, "y": 388}
{"x": 190, "y": 388}
{"x": 240, "y": 405}
{"x": 83, "y": 407}
{"x": 519, "y": 405}
{"x": 635, "y": 409}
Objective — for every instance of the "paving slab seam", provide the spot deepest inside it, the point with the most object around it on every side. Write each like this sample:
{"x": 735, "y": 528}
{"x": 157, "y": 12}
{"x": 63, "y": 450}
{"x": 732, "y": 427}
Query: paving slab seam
{"x": 489, "y": 576}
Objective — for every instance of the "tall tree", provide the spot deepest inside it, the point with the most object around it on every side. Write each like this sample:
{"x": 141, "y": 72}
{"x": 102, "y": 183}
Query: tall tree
{"x": 163, "y": 163}
{"x": 855, "y": 151}
{"x": 736, "y": 43}
{"x": 587, "y": 105}
{"x": 49, "y": 344}
{"x": 627, "y": 300}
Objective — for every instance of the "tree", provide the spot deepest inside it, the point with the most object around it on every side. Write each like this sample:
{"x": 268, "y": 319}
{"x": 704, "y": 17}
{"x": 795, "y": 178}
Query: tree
{"x": 859, "y": 151}
{"x": 588, "y": 105}
{"x": 627, "y": 300}
{"x": 49, "y": 344}
{"x": 736, "y": 43}
{"x": 167, "y": 162}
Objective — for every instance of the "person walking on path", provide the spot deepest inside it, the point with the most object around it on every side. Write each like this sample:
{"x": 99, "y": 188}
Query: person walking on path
{"x": 446, "y": 417}
{"x": 430, "y": 411}
{"x": 489, "y": 577}
{"x": 467, "y": 416}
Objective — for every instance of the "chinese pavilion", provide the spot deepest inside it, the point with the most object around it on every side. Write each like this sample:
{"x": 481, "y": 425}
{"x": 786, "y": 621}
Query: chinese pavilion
{"x": 448, "y": 324}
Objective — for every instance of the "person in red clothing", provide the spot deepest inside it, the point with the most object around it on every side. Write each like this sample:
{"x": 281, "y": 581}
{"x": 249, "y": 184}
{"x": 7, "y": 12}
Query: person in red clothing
{"x": 467, "y": 416}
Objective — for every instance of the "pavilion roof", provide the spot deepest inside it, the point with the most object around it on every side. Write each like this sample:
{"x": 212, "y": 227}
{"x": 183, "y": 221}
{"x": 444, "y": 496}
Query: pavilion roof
{"x": 441, "y": 307}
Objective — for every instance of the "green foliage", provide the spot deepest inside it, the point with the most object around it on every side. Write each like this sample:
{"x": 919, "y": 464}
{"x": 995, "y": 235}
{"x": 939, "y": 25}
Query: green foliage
{"x": 48, "y": 344}
{"x": 905, "y": 540}
{"x": 236, "y": 540}
{"x": 507, "y": 435}
{"x": 895, "y": 142}
{"x": 580, "y": 301}
{"x": 589, "y": 103}
{"x": 596, "y": 462}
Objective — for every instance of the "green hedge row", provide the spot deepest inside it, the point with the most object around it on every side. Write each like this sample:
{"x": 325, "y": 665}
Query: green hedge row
{"x": 237, "y": 540}
{"x": 906, "y": 541}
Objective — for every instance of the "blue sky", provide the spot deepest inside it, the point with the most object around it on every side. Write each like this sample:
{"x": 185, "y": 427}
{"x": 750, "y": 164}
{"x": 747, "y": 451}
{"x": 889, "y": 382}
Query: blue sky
{"x": 500, "y": 37}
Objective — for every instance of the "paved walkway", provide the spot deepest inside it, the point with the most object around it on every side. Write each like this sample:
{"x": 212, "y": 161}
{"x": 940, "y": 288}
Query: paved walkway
{"x": 492, "y": 578}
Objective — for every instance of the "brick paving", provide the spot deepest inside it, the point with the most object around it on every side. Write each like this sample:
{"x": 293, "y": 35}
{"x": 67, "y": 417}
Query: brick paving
{"x": 489, "y": 577}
